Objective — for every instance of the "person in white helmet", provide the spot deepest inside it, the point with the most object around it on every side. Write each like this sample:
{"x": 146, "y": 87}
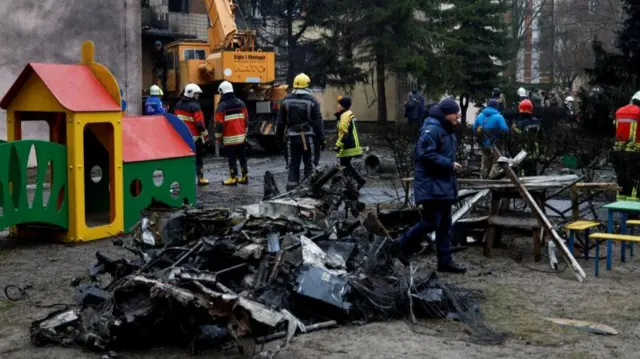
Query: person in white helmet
{"x": 522, "y": 94}
{"x": 189, "y": 111}
{"x": 231, "y": 131}
{"x": 569, "y": 103}
{"x": 153, "y": 104}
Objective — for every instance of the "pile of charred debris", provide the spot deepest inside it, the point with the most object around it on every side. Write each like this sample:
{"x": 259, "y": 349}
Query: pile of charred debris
{"x": 207, "y": 278}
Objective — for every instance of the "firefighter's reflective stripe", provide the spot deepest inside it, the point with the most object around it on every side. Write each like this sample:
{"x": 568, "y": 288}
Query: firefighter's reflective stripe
{"x": 186, "y": 118}
{"x": 235, "y": 116}
{"x": 234, "y": 140}
{"x": 628, "y": 141}
{"x": 202, "y": 136}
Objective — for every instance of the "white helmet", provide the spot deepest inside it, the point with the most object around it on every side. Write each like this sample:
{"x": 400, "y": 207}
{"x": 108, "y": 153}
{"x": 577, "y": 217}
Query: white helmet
{"x": 522, "y": 92}
{"x": 636, "y": 96}
{"x": 192, "y": 89}
{"x": 155, "y": 90}
{"x": 569, "y": 99}
{"x": 225, "y": 87}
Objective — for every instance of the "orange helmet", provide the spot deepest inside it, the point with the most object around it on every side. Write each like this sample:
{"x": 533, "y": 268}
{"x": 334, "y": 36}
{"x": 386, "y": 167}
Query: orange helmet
{"x": 525, "y": 106}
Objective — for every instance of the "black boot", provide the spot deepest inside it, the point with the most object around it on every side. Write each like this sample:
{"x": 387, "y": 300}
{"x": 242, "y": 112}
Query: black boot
{"x": 451, "y": 267}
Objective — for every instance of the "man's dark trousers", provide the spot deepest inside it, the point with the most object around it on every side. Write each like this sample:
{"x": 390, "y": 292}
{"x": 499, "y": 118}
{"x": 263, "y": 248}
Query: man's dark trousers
{"x": 235, "y": 153}
{"x": 436, "y": 216}
{"x": 297, "y": 154}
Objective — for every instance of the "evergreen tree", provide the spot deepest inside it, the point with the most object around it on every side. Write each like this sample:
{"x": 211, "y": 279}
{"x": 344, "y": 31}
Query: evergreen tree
{"x": 394, "y": 36}
{"x": 615, "y": 76}
{"x": 287, "y": 26}
{"x": 629, "y": 41}
{"x": 479, "y": 38}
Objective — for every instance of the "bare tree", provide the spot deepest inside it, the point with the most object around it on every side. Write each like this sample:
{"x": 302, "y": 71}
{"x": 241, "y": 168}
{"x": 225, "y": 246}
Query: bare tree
{"x": 576, "y": 24}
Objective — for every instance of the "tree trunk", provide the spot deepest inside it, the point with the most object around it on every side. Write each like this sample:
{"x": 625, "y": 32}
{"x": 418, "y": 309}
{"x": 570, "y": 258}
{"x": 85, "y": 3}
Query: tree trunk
{"x": 291, "y": 44}
{"x": 464, "y": 105}
{"x": 382, "y": 95}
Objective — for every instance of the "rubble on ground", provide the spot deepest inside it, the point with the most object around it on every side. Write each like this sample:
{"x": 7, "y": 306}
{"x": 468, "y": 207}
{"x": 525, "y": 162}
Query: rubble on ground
{"x": 206, "y": 278}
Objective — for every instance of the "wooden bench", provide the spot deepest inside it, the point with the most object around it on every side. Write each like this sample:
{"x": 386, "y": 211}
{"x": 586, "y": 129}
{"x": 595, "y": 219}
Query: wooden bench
{"x": 630, "y": 224}
{"x": 580, "y": 225}
{"x": 609, "y": 237}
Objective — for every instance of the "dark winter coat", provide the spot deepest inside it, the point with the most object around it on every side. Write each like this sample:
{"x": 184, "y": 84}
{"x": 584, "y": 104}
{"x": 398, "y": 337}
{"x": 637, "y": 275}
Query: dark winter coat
{"x": 434, "y": 177}
{"x": 414, "y": 108}
{"x": 300, "y": 112}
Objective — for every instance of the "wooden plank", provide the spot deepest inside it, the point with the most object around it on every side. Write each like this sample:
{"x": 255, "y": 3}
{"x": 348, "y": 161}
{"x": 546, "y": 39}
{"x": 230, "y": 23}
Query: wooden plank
{"x": 489, "y": 234}
{"x": 513, "y": 222}
{"x": 615, "y": 237}
{"x": 473, "y": 219}
{"x": 531, "y": 186}
{"x": 595, "y": 328}
{"x": 581, "y": 225}
{"x": 613, "y": 186}
{"x": 559, "y": 242}
{"x": 525, "y": 180}
{"x": 470, "y": 204}
{"x": 466, "y": 208}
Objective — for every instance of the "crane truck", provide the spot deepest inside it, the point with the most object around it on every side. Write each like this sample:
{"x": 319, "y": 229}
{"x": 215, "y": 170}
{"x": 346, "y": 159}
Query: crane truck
{"x": 229, "y": 54}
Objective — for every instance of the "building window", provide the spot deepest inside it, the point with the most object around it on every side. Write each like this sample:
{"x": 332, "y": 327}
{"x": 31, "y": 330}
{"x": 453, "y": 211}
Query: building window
{"x": 179, "y": 6}
{"x": 191, "y": 54}
{"x": 592, "y": 6}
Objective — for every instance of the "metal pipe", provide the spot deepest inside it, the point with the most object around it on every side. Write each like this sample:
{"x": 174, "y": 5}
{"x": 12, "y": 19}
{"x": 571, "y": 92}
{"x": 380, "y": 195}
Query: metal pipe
{"x": 307, "y": 329}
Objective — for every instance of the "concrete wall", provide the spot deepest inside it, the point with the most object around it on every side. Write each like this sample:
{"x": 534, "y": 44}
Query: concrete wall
{"x": 364, "y": 99}
{"x": 52, "y": 31}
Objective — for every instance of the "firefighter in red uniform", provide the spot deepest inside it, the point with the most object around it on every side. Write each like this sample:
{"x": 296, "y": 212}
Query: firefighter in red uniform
{"x": 626, "y": 154}
{"x": 231, "y": 131}
{"x": 188, "y": 110}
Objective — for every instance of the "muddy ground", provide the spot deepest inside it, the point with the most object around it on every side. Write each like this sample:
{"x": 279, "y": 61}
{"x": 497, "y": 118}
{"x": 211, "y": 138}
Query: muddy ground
{"x": 518, "y": 295}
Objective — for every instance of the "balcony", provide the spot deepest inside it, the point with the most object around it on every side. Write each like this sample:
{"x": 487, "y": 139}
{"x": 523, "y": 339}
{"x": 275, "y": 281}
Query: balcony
{"x": 174, "y": 24}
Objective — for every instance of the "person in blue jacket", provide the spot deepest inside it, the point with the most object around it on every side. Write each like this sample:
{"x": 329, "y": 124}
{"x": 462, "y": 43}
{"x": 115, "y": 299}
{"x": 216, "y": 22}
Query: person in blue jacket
{"x": 435, "y": 185}
{"x": 153, "y": 105}
{"x": 489, "y": 126}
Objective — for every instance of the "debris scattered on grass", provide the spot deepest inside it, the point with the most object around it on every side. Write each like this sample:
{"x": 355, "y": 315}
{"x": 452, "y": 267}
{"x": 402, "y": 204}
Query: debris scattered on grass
{"x": 205, "y": 278}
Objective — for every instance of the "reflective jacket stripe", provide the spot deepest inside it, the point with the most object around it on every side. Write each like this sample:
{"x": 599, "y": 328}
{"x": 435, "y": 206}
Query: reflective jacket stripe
{"x": 185, "y": 118}
{"x": 233, "y": 140}
{"x": 236, "y": 116}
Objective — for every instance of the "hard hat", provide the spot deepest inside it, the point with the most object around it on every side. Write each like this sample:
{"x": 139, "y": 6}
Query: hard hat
{"x": 225, "y": 87}
{"x": 158, "y": 42}
{"x": 525, "y": 107}
{"x": 301, "y": 81}
{"x": 636, "y": 96}
{"x": 522, "y": 92}
{"x": 569, "y": 99}
{"x": 191, "y": 89}
{"x": 155, "y": 90}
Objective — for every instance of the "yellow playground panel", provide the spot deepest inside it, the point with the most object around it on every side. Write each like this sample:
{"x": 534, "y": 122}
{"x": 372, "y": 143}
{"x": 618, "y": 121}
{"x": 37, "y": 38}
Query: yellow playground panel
{"x": 82, "y": 105}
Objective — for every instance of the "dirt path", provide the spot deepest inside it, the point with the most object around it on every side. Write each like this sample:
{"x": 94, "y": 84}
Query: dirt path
{"x": 519, "y": 294}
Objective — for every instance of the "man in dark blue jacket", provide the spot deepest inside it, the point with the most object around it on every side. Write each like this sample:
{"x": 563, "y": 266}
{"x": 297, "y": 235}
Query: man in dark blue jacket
{"x": 434, "y": 184}
{"x": 414, "y": 109}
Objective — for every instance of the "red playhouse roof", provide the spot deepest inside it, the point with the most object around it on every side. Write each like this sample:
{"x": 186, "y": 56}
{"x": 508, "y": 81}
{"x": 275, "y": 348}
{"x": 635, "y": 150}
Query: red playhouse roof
{"x": 74, "y": 86}
{"x": 149, "y": 138}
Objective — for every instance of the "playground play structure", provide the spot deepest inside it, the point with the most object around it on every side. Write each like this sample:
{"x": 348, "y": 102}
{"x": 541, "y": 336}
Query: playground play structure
{"x": 101, "y": 168}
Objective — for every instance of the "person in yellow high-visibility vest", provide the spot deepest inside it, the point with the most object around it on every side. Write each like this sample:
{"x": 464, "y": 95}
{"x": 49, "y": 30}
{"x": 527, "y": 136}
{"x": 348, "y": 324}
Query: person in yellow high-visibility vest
{"x": 348, "y": 144}
{"x": 626, "y": 154}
